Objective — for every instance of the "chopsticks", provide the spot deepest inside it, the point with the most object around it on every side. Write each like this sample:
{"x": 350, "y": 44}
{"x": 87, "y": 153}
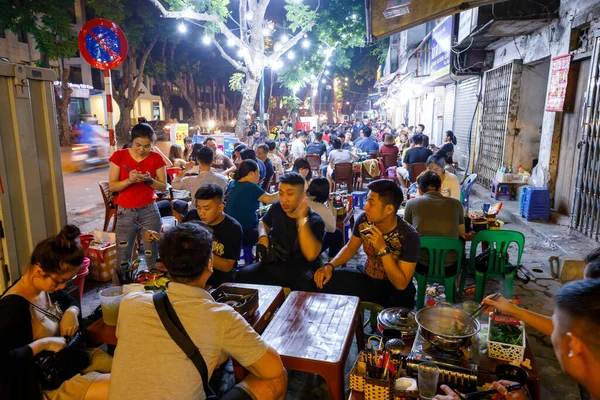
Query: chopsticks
{"x": 484, "y": 393}
{"x": 476, "y": 313}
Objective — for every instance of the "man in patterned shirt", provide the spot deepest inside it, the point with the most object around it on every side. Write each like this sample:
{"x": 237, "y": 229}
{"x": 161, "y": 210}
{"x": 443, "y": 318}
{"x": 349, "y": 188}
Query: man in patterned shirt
{"x": 392, "y": 249}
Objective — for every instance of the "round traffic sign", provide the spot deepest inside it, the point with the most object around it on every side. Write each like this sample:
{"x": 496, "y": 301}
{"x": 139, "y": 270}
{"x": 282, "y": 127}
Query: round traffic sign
{"x": 102, "y": 43}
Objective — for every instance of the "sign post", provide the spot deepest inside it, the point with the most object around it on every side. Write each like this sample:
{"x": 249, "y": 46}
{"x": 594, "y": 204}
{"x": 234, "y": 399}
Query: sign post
{"x": 104, "y": 45}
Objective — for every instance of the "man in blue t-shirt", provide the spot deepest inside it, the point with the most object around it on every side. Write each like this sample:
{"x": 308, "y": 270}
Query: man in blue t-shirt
{"x": 368, "y": 144}
{"x": 392, "y": 249}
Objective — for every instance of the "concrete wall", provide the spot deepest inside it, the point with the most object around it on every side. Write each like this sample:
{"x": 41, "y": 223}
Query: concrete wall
{"x": 550, "y": 41}
{"x": 534, "y": 81}
{"x": 17, "y": 52}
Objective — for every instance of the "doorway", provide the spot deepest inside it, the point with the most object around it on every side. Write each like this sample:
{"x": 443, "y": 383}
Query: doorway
{"x": 570, "y": 139}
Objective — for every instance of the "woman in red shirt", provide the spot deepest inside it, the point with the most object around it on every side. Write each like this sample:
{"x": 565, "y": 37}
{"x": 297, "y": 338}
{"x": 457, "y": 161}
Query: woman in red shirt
{"x": 135, "y": 173}
{"x": 388, "y": 145}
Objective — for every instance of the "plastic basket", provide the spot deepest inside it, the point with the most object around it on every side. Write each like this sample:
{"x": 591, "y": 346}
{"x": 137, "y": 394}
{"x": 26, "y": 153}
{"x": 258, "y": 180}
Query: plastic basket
{"x": 504, "y": 351}
{"x": 374, "y": 389}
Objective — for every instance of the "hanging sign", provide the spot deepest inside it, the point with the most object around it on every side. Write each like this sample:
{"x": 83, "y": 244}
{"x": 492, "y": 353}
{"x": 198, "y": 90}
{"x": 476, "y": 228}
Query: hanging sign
{"x": 557, "y": 85}
{"x": 102, "y": 44}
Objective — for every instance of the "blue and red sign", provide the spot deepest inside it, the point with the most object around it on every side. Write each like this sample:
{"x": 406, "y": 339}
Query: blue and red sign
{"x": 102, "y": 44}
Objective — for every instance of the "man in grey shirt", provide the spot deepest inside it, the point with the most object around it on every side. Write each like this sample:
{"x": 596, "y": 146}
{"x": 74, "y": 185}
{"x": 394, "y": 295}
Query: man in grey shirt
{"x": 433, "y": 214}
{"x": 148, "y": 364}
{"x": 205, "y": 158}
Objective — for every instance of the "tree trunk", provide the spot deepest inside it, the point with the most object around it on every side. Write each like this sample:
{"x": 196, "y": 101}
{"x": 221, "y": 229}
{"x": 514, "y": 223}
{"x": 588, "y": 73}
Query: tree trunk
{"x": 65, "y": 135}
{"x": 123, "y": 127}
{"x": 247, "y": 106}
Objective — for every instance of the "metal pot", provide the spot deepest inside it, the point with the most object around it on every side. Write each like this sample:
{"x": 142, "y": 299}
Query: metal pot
{"x": 399, "y": 319}
{"x": 434, "y": 323}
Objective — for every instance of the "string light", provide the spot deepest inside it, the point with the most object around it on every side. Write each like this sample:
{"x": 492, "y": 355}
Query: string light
{"x": 305, "y": 44}
{"x": 326, "y": 72}
{"x": 206, "y": 39}
{"x": 277, "y": 46}
{"x": 277, "y": 65}
{"x": 230, "y": 43}
{"x": 291, "y": 55}
{"x": 323, "y": 80}
{"x": 182, "y": 28}
{"x": 353, "y": 16}
{"x": 284, "y": 38}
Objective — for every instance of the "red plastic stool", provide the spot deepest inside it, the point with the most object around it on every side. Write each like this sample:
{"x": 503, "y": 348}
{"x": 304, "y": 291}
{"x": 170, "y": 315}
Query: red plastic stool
{"x": 80, "y": 279}
{"x": 501, "y": 191}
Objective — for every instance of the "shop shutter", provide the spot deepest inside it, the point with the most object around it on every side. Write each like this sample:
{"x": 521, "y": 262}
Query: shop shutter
{"x": 448, "y": 122}
{"x": 466, "y": 103}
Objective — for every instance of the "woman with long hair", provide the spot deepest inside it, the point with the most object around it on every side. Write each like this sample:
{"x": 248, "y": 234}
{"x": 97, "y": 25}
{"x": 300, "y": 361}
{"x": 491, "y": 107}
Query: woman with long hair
{"x": 37, "y": 314}
{"x": 244, "y": 196}
{"x": 187, "y": 151}
{"x": 136, "y": 173}
{"x": 450, "y": 186}
{"x": 176, "y": 156}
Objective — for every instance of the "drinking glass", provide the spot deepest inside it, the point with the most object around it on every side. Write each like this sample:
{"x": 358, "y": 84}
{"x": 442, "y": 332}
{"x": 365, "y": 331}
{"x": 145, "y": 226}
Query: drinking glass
{"x": 428, "y": 379}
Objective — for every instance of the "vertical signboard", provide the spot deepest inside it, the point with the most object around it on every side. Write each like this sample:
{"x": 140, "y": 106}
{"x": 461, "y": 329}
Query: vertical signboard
{"x": 441, "y": 41}
{"x": 557, "y": 85}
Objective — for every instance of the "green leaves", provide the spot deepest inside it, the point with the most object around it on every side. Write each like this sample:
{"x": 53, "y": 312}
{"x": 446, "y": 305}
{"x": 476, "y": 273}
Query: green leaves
{"x": 298, "y": 15}
{"x": 291, "y": 102}
{"x": 236, "y": 82}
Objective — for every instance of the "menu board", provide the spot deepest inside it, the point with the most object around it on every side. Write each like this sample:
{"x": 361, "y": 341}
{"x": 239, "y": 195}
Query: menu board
{"x": 557, "y": 85}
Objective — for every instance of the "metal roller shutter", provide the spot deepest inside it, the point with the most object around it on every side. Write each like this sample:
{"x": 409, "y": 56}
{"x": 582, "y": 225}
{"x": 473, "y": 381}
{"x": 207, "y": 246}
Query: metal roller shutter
{"x": 448, "y": 122}
{"x": 466, "y": 103}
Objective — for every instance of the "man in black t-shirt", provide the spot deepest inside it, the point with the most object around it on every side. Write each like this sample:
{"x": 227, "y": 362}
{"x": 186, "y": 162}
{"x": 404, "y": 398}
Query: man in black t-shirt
{"x": 392, "y": 249}
{"x": 227, "y": 232}
{"x": 420, "y": 130}
{"x": 418, "y": 154}
{"x": 317, "y": 146}
{"x": 290, "y": 240}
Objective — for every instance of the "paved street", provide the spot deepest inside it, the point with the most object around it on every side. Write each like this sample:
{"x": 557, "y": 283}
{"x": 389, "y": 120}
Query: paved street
{"x": 85, "y": 207}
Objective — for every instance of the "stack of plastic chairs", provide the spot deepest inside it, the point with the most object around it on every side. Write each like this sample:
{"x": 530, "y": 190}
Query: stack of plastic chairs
{"x": 535, "y": 204}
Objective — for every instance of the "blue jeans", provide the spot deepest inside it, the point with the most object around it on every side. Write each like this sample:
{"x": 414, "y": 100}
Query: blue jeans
{"x": 130, "y": 222}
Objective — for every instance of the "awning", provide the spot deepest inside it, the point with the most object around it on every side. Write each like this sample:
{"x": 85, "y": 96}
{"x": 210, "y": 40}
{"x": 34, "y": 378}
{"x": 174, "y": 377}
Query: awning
{"x": 420, "y": 11}
{"x": 386, "y": 80}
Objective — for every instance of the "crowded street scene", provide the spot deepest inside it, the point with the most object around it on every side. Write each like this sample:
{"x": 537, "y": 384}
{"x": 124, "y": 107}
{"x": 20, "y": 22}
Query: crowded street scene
{"x": 299, "y": 199}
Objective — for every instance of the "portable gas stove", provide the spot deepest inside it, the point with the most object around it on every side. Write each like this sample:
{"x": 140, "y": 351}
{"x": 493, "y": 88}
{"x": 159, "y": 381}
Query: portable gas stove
{"x": 457, "y": 368}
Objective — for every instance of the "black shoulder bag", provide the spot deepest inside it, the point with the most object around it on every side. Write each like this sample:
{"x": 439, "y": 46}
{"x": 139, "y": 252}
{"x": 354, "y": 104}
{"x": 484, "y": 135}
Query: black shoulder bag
{"x": 173, "y": 325}
{"x": 55, "y": 368}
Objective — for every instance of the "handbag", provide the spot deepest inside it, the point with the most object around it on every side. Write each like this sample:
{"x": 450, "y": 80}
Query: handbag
{"x": 54, "y": 368}
{"x": 173, "y": 325}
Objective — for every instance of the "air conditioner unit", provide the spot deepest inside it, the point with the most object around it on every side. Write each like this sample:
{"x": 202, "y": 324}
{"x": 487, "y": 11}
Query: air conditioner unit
{"x": 396, "y": 8}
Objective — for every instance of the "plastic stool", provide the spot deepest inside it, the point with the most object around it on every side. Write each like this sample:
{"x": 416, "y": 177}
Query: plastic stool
{"x": 501, "y": 191}
{"x": 358, "y": 199}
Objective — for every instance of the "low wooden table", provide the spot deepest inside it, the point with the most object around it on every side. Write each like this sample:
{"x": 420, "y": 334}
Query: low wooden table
{"x": 270, "y": 298}
{"x": 312, "y": 332}
{"x": 486, "y": 372}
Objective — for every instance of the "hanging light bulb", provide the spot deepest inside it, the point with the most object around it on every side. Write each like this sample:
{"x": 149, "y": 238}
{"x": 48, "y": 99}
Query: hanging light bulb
{"x": 323, "y": 80}
{"x": 353, "y": 16}
{"x": 230, "y": 42}
{"x": 206, "y": 39}
{"x": 284, "y": 38}
{"x": 277, "y": 46}
{"x": 277, "y": 65}
{"x": 291, "y": 55}
{"x": 305, "y": 44}
{"x": 182, "y": 28}
{"x": 326, "y": 72}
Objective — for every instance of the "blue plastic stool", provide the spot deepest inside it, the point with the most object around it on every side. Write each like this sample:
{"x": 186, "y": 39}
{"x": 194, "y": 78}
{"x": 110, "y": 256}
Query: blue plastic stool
{"x": 501, "y": 191}
{"x": 358, "y": 199}
{"x": 535, "y": 204}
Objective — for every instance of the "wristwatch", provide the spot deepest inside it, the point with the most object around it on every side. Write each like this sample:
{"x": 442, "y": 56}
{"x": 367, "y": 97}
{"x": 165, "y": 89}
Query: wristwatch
{"x": 326, "y": 264}
{"x": 301, "y": 222}
{"x": 385, "y": 252}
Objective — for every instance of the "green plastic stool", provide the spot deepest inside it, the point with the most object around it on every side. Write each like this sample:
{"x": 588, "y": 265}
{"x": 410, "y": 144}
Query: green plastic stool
{"x": 498, "y": 267}
{"x": 438, "y": 249}
{"x": 374, "y": 310}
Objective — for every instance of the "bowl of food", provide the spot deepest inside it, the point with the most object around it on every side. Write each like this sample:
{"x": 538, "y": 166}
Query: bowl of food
{"x": 512, "y": 373}
{"x": 446, "y": 327}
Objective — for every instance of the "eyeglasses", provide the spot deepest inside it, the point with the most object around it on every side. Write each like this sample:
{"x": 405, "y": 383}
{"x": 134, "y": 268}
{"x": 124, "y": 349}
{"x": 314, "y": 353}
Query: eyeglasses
{"x": 61, "y": 282}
